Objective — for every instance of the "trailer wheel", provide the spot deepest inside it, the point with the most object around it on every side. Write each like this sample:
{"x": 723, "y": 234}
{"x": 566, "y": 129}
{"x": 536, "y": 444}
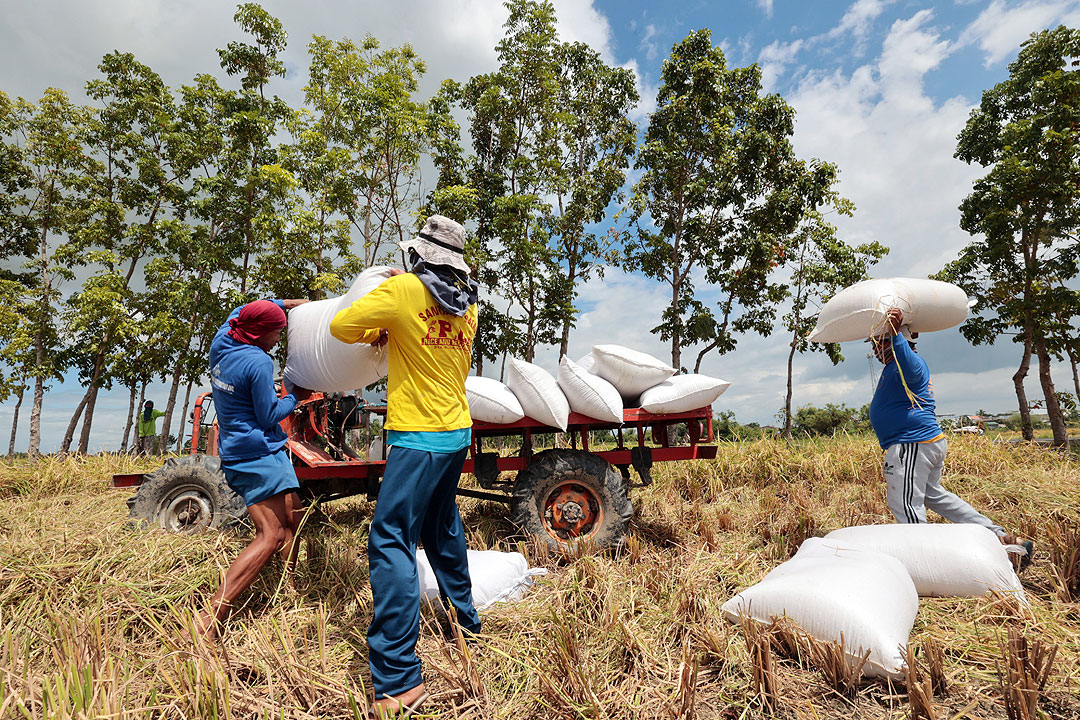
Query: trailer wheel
{"x": 187, "y": 494}
{"x": 566, "y": 496}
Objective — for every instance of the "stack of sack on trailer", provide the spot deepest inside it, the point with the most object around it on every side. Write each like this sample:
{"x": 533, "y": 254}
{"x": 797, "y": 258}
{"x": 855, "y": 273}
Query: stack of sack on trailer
{"x": 598, "y": 386}
{"x": 861, "y": 585}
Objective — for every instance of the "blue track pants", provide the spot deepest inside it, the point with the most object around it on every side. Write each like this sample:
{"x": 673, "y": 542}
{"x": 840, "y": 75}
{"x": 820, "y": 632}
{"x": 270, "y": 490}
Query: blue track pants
{"x": 416, "y": 502}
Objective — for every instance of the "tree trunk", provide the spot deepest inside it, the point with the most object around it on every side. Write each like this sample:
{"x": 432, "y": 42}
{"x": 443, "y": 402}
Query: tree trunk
{"x": 704, "y": 351}
{"x": 571, "y": 276}
{"x": 1021, "y": 394}
{"x": 787, "y": 399}
{"x": 183, "y": 418}
{"x": 69, "y": 435}
{"x": 1053, "y": 408}
{"x": 163, "y": 439}
{"x": 130, "y": 419}
{"x": 1076, "y": 378}
{"x": 15, "y": 422}
{"x": 34, "y": 449}
{"x": 676, "y": 347}
{"x": 88, "y": 420}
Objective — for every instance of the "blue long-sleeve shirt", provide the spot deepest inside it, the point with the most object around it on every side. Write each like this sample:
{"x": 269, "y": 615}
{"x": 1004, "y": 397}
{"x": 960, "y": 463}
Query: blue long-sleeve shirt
{"x": 249, "y": 412}
{"x": 896, "y": 418}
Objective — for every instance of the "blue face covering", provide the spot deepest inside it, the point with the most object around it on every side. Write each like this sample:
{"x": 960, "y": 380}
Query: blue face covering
{"x": 451, "y": 288}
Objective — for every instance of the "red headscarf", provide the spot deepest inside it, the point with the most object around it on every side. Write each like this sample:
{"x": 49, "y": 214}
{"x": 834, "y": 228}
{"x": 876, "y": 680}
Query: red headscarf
{"x": 255, "y": 320}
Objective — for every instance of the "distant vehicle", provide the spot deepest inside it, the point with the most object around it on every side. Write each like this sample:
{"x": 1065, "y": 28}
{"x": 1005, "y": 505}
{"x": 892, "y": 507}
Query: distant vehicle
{"x": 970, "y": 430}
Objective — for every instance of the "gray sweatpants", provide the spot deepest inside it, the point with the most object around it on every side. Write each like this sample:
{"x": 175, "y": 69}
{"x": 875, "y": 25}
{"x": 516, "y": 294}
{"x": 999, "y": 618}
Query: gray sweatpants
{"x": 913, "y": 477}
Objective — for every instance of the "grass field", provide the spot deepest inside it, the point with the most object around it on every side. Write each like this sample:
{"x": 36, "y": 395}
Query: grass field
{"x": 90, "y": 609}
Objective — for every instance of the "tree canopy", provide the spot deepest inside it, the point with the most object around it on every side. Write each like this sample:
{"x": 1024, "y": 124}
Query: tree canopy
{"x": 1025, "y": 211}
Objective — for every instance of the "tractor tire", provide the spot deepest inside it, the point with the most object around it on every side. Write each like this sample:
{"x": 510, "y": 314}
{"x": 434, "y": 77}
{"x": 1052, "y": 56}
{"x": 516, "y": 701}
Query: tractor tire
{"x": 565, "y": 497}
{"x": 186, "y": 495}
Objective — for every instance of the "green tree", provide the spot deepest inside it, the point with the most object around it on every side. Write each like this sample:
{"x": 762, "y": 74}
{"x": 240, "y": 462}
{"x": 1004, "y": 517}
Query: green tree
{"x": 551, "y": 143}
{"x": 232, "y": 208}
{"x": 47, "y": 141}
{"x": 822, "y": 265}
{"x": 351, "y": 170}
{"x": 15, "y": 342}
{"x": 514, "y": 136}
{"x": 596, "y": 140}
{"x": 828, "y": 420}
{"x": 1026, "y": 208}
{"x": 720, "y": 193}
{"x": 251, "y": 120}
{"x": 16, "y": 243}
{"x": 134, "y": 187}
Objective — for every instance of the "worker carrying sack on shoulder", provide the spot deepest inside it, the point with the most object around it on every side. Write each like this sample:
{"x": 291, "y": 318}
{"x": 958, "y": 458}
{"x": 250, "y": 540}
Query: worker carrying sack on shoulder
{"x": 858, "y": 312}
{"x": 317, "y": 359}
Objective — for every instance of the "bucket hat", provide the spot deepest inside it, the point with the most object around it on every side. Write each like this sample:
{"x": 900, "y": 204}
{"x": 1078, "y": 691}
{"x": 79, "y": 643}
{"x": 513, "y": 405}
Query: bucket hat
{"x": 441, "y": 242}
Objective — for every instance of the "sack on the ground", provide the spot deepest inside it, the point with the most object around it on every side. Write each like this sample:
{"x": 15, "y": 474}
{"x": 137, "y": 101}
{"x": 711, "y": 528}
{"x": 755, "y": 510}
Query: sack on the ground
{"x": 318, "y": 360}
{"x": 496, "y": 577}
{"x": 863, "y": 595}
{"x": 630, "y": 371}
{"x": 682, "y": 393}
{"x": 538, "y": 393}
{"x": 492, "y": 401}
{"x": 589, "y": 394}
{"x": 943, "y": 559}
{"x": 858, "y": 311}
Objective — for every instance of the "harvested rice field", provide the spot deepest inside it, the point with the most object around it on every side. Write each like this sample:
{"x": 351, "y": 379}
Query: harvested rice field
{"x": 91, "y": 610}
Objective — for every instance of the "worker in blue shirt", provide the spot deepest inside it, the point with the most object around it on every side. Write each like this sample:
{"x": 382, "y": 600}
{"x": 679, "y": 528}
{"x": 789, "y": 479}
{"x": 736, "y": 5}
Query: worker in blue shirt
{"x": 903, "y": 415}
{"x": 251, "y": 444}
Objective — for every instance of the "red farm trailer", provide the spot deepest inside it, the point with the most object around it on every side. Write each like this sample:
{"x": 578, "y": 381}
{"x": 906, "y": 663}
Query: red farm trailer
{"x": 560, "y": 495}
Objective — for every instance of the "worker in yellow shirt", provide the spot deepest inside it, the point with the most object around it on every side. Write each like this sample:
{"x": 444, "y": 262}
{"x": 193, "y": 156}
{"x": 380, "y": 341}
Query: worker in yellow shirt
{"x": 430, "y": 317}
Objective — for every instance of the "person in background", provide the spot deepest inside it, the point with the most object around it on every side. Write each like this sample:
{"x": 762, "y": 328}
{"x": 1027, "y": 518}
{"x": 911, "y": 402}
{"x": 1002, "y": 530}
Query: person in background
{"x": 251, "y": 445}
{"x": 430, "y": 314}
{"x": 903, "y": 415}
{"x": 147, "y": 428}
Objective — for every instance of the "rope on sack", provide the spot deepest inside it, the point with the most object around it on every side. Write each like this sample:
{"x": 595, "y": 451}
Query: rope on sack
{"x": 915, "y": 400}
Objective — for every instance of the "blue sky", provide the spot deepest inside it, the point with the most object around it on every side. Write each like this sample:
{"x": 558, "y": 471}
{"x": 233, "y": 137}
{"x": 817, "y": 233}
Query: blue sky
{"x": 880, "y": 88}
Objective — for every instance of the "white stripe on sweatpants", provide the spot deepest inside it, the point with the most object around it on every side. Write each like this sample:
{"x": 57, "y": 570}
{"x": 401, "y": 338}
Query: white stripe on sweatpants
{"x": 913, "y": 480}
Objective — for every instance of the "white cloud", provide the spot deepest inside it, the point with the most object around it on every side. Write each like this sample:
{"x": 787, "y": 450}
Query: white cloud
{"x": 910, "y": 51}
{"x": 774, "y": 59}
{"x": 859, "y": 18}
{"x": 647, "y": 91}
{"x": 766, "y": 7}
{"x": 894, "y": 146}
{"x": 60, "y": 42}
{"x": 999, "y": 29}
{"x": 648, "y": 43}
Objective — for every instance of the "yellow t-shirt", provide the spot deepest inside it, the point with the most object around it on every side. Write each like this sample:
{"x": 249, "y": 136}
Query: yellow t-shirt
{"x": 430, "y": 353}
